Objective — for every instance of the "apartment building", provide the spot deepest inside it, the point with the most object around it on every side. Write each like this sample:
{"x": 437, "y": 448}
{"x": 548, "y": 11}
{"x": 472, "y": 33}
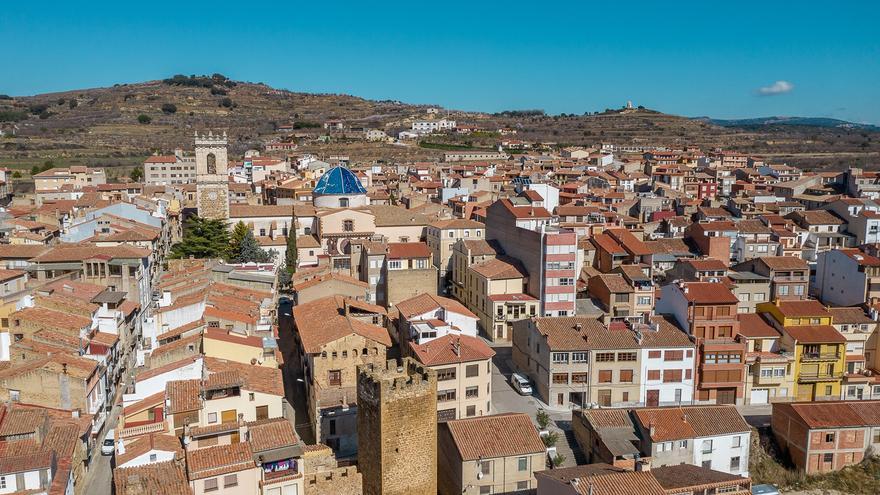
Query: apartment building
{"x": 464, "y": 254}
{"x": 826, "y": 436}
{"x": 819, "y": 350}
{"x": 789, "y": 276}
{"x": 490, "y": 454}
{"x": 161, "y": 170}
{"x": 579, "y": 361}
{"x": 707, "y": 311}
{"x": 50, "y": 183}
{"x": 495, "y": 291}
{"x": 847, "y": 277}
{"x": 769, "y": 368}
{"x": 464, "y": 374}
{"x": 442, "y": 235}
{"x": 547, "y": 252}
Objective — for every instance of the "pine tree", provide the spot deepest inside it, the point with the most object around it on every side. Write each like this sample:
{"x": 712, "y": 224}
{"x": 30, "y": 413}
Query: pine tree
{"x": 291, "y": 255}
{"x": 202, "y": 238}
{"x": 249, "y": 251}
{"x": 238, "y": 234}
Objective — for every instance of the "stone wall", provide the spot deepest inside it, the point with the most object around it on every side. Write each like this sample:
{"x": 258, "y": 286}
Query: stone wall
{"x": 397, "y": 429}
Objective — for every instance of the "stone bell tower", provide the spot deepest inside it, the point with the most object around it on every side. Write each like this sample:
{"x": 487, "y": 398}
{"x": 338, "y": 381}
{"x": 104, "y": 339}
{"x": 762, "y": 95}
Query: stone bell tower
{"x": 212, "y": 178}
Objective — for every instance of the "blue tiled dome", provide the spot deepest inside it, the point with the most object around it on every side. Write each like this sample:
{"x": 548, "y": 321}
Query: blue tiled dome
{"x": 339, "y": 180}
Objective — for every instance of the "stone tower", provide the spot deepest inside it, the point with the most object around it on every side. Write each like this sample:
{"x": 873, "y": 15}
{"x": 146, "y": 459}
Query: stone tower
{"x": 397, "y": 428}
{"x": 212, "y": 178}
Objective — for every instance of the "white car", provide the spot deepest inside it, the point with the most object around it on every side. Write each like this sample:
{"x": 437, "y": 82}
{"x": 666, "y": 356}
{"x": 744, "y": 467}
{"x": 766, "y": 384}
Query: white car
{"x": 521, "y": 384}
{"x": 108, "y": 447}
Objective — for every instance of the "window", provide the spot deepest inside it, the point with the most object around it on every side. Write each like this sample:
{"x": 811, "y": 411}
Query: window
{"x": 671, "y": 376}
{"x": 560, "y": 357}
{"x": 486, "y": 467}
{"x": 348, "y": 226}
{"x": 707, "y": 446}
{"x": 828, "y": 458}
{"x": 678, "y": 395}
{"x": 673, "y": 356}
{"x": 485, "y": 490}
{"x": 212, "y": 417}
{"x": 472, "y": 370}
{"x": 737, "y": 442}
{"x": 446, "y": 374}
{"x": 829, "y": 437}
{"x": 602, "y": 357}
{"x": 230, "y": 480}
{"x": 153, "y": 457}
{"x": 605, "y": 376}
{"x": 578, "y": 378}
{"x": 626, "y": 356}
{"x": 578, "y": 357}
{"x": 626, "y": 376}
{"x": 654, "y": 354}
{"x": 14, "y": 395}
{"x": 471, "y": 411}
{"x": 653, "y": 374}
{"x": 472, "y": 392}
{"x": 445, "y": 395}
{"x": 682, "y": 444}
{"x": 560, "y": 378}
{"x": 211, "y": 484}
{"x": 734, "y": 463}
{"x": 334, "y": 377}
{"x": 522, "y": 485}
{"x": 394, "y": 265}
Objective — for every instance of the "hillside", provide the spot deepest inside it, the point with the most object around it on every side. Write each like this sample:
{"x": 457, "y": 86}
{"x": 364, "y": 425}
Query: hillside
{"x": 101, "y": 127}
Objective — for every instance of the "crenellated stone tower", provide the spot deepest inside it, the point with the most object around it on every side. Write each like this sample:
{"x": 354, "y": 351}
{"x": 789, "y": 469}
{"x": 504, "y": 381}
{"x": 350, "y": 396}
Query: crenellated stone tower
{"x": 397, "y": 428}
{"x": 212, "y": 177}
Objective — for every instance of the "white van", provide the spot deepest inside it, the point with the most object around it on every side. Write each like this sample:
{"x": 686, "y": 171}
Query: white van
{"x": 521, "y": 384}
{"x": 108, "y": 447}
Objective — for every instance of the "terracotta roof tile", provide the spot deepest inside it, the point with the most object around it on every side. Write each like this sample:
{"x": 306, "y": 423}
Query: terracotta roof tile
{"x": 323, "y": 321}
{"x": 271, "y": 434}
{"x": 815, "y": 334}
{"x": 451, "y": 349}
{"x": 424, "y": 303}
{"x": 500, "y": 268}
{"x": 834, "y": 414}
{"x": 219, "y": 460}
{"x": 678, "y": 423}
{"x": 183, "y": 395}
{"x": 161, "y": 478}
{"x": 499, "y": 435}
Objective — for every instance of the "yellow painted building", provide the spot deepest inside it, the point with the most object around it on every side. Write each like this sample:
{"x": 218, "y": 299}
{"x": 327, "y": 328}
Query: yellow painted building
{"x": 819, "y": 349}
{"x": 220, "y": 344}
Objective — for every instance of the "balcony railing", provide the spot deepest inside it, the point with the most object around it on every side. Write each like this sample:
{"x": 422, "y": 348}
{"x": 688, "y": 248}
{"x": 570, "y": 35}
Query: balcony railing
{"x": 819, "y": 377}
{"x": 820, "y": 356}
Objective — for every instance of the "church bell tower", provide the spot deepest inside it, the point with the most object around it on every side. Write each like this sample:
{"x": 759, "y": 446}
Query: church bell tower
{"x": 212, "y": 178}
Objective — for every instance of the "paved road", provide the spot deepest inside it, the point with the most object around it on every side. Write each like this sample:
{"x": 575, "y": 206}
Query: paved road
{"x": 506, "y": 399}
{"x": 99, "y": 478}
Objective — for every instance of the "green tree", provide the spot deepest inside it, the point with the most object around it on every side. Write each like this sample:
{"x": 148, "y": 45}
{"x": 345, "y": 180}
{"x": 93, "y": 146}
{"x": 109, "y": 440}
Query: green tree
{"x": 249, "y": 251}
{"x": 169, "y": 108}
{"x": 557, "y": 460}
{"x": 144, "y": 119}
{"x": 16, "y": 174}
{"x": 136, "y": 174}
{"x": 543, "y": 419}
{"x": 291, "y": 254}
{"x": 202, "y": 238}
{"x": 238, "y": 234}
{"x": 550, "y": 439}
{"x": 35, "y": 170}
{"x": 392, "y": 199}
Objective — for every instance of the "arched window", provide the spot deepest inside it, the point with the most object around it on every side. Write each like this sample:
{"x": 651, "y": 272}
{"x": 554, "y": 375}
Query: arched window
{"x": 212, "y": 163}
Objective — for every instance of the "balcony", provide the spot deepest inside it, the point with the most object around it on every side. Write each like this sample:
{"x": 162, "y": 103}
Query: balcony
{"x": 791, "y": 278}
{"x": 808, "y": 377}
{"x": 820, "y": 356}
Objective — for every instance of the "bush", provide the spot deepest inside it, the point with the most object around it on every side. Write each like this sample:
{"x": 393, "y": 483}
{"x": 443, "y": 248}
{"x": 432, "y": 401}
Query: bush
{"x": 557, "y": 460}
{"x": 72, "y": 104}
{"x": 303, "y": 124}
{"x": 551, "y": 439}
{"x": 543, "y": 419}
{"x": 218, "y": 91}
{"x": 144, "y": 119}
{"x": 226, "y": 102}
{"x": 16, "y": 174}
{"x": 169, "y": 108}
{"x": 46, "y": 115}
{"x": 38, "y": 108}
{"x": 12, "y": 115}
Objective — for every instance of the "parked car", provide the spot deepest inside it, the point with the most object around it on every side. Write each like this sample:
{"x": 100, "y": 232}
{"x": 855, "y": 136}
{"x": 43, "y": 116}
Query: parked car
{"x": 521, "y": 384}
{"x": 108, "y": 447}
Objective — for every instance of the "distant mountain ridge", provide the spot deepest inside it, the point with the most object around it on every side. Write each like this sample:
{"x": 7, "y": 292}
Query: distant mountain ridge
{"x": 779, "y": 120}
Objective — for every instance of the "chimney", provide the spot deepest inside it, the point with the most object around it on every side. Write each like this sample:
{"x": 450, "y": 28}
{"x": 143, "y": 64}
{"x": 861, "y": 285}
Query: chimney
{"x": 651, "y": 429}
{"x": 578, "y": 327}
{"x": 643, "y": 465}
{"x": 456, "y": 347}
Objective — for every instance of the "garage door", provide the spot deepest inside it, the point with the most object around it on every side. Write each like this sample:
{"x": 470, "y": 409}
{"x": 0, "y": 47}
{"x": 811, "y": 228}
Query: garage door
{"x": 759, "y": 396}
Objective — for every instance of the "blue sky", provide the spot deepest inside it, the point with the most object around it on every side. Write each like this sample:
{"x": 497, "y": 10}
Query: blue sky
{"x": 688, "y": 58}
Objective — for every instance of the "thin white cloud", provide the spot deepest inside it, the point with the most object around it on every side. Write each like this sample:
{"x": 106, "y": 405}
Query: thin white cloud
{"x": 777, "y": 88}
